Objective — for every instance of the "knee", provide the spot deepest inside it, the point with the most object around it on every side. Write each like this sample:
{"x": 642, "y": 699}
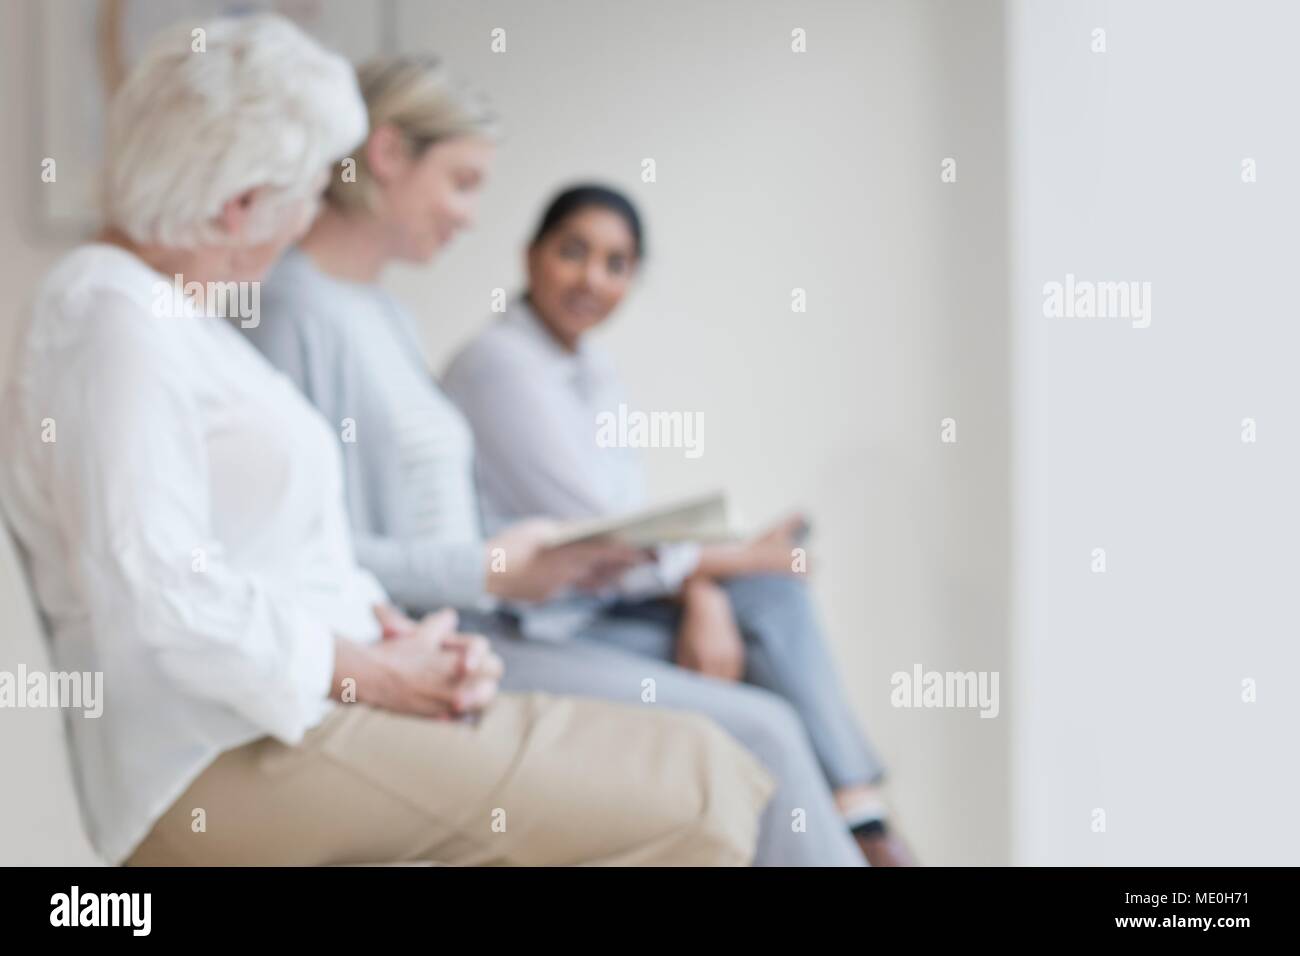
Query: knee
{"x": 722, "y": 823}
{"x": 781, "y": 722}
{"x": 770, "y": 727}
{"x": 771, "y": 604}
{"x": 766, "y": 588}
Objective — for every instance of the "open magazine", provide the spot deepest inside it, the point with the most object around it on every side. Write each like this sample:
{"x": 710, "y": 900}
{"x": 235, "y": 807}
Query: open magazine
{"x": 705, "y": 518}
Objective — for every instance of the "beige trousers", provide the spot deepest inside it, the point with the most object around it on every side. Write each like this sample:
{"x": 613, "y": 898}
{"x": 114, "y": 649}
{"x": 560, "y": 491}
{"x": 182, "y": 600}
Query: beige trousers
{"x": 535, "y": 780}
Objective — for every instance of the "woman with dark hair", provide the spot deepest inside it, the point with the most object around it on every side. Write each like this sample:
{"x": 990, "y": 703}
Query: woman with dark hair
{"x": 533, "y": 386}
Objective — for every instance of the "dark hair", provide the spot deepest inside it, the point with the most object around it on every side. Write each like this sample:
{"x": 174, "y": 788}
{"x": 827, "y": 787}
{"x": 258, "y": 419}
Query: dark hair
{"x": 577, "y": 198}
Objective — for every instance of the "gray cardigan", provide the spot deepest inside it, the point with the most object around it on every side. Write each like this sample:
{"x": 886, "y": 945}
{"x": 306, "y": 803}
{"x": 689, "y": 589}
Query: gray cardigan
{"x": 408, "y": 452}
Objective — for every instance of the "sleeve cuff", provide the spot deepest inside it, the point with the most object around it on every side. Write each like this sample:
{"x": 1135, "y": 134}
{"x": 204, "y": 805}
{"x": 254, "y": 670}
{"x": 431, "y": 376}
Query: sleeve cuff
{"x": 311, "y": 680}
{"x": 424, "y": 574}
{"x": 673, "y": 564}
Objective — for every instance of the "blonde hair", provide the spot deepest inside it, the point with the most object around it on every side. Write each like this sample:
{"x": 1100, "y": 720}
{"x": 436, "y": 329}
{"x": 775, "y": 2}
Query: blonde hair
{"x": 415, "y": 95}
{"x": 262, "y": 106}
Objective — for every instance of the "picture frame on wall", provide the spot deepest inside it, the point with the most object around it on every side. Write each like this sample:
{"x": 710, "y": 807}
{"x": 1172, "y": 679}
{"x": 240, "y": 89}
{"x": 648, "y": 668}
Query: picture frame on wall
{"x": 87, "y": 46}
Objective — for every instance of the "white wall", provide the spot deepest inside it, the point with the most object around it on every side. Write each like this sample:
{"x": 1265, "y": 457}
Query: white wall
{"x": 24, "y": 252}
{"x": 1127, "y": 166}
{"x": 776, "y": 170}
{"x": 39, "y": 818}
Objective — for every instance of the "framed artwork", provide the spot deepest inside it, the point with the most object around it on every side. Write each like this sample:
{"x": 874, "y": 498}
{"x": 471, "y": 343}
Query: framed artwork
{"x": 87, "y": 46}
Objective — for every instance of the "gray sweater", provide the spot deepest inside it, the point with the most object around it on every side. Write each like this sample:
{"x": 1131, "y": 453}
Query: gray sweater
{"x": 408, "y": 452}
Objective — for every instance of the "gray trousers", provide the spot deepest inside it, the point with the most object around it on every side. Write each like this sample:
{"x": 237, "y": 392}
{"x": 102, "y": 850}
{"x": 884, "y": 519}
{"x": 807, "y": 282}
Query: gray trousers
{"x": 785, "y": 652}
{"x": 614, "y": 659}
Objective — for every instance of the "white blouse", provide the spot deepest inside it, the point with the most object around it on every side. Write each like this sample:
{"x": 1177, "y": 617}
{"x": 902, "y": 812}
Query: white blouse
{"x": 181, "y": 509}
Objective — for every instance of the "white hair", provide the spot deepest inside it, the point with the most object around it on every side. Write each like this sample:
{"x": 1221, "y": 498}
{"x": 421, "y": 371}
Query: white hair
{"x": 255, "y": 104}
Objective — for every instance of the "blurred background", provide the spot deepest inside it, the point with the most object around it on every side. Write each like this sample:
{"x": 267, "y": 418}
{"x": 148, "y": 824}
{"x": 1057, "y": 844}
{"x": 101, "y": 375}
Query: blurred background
{"x": 824, "y": 170}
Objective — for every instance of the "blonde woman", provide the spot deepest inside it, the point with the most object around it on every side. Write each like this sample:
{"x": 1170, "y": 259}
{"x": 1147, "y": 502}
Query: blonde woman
{"x": 354, "y": 351}
{"x": 187, "y": 537}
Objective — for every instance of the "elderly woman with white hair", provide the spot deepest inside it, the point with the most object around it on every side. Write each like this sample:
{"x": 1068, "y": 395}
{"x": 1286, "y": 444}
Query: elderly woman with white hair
{"x": 181, "y": 508}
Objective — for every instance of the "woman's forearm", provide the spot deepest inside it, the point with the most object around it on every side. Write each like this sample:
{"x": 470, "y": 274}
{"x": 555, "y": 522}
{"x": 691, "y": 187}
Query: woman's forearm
{"x": 763, "y": 555}
{"x": 426, "y": 573}
{"x": 721, "y": 561}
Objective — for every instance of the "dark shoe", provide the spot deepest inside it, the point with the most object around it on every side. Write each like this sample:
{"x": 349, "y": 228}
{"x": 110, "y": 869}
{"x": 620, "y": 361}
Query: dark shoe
{"x": 885, "y": 849}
